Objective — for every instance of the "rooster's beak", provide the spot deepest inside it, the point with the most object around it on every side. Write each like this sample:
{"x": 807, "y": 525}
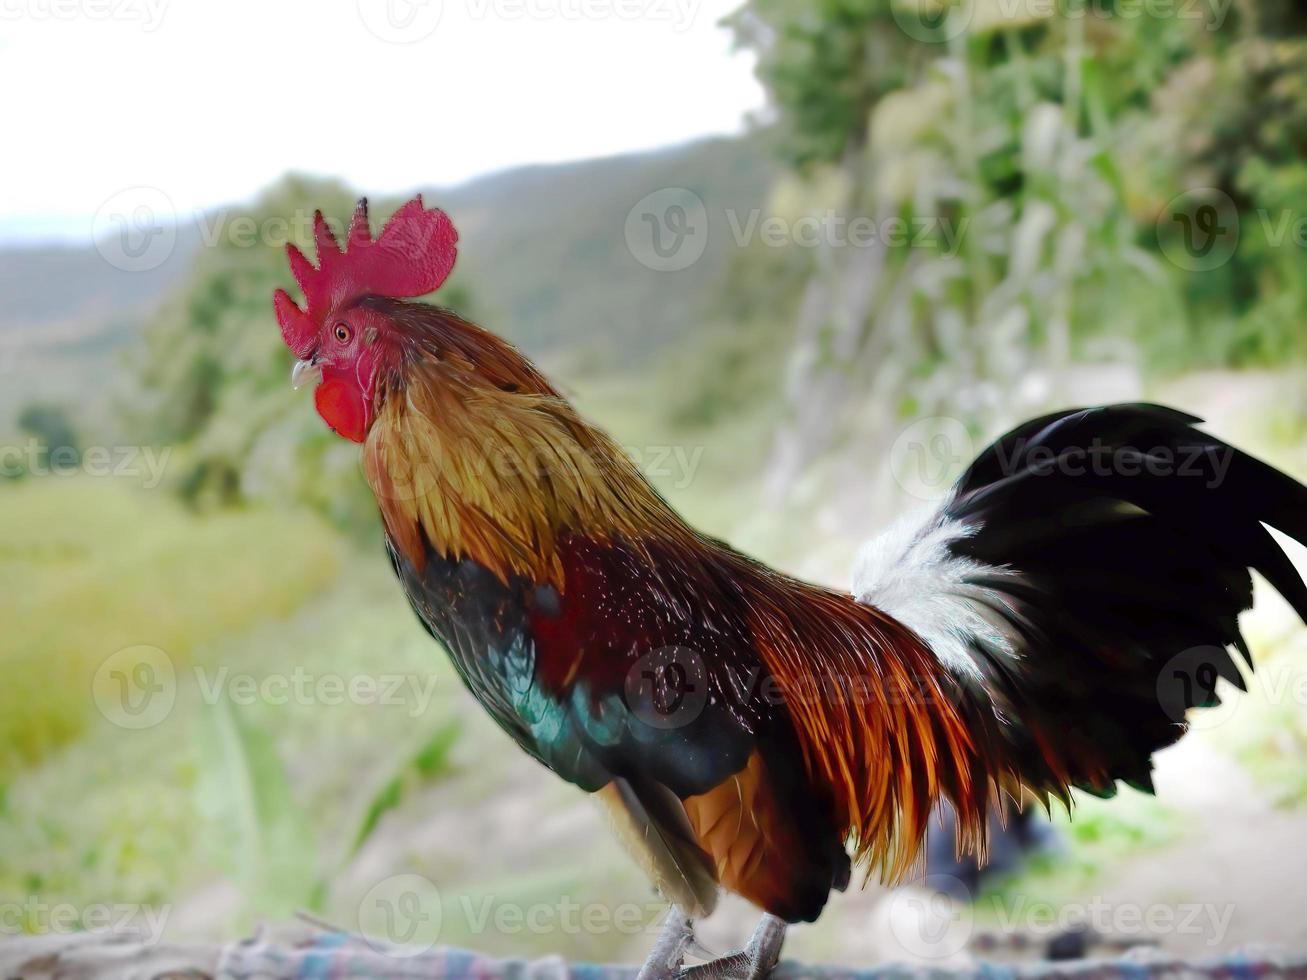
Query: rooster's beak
{"x": 305, "y": 372}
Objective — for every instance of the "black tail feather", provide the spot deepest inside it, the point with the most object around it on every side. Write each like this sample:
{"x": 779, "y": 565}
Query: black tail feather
{"x": 1125, "y": 537}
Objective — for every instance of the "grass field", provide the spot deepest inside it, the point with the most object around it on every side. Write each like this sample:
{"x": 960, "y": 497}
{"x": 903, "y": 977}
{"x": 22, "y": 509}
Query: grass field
{"x": 238, "y": 602}
{"x": 91, "y": 566}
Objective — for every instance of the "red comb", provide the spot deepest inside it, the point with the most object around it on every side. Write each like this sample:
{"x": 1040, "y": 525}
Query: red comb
{"x": 411, "y": 257}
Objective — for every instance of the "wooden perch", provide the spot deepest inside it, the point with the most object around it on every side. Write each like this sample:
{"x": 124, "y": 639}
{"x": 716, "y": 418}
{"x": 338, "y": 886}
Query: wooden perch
{"x": 341, "y": 956}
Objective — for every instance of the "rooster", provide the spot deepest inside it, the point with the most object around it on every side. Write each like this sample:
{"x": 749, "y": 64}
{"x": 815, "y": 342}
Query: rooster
{"x": 1044, "y": 628}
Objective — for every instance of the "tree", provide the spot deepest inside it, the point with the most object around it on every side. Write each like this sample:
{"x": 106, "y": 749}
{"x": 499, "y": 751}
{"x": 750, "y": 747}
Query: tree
{"x": 52, "y": 428}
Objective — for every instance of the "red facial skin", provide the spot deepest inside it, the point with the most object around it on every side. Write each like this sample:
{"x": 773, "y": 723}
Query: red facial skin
{"x": 351, "y": 347}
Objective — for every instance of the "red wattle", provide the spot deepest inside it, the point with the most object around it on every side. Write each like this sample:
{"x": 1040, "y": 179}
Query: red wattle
{"x": 341, "y": 406}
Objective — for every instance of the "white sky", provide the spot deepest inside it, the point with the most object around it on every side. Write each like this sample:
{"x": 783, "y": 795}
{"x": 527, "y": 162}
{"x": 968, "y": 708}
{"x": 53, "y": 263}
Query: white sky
{"x": 211, "y": 100}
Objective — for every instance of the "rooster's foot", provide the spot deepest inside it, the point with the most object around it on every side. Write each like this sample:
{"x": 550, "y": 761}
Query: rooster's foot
{"x": 664, "y": 962}
{"x": 754, "y": 962}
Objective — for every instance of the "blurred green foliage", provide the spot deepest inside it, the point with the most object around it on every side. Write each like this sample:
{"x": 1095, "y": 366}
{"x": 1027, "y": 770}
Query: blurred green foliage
{"x": 1065, "y": 136}
{"x": 52, "y": 427}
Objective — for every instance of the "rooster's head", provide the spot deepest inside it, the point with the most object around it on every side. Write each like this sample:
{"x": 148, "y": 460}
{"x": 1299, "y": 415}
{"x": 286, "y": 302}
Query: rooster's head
{"x": 354, "y": 326}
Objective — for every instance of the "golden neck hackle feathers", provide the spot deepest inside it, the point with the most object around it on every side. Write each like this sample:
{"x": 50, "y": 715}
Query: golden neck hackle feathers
{"x": 491, "y": 463}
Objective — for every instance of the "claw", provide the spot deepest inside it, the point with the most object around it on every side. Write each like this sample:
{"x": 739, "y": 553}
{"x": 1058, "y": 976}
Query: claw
{"x": 699, "y": 951}
{"x": 754, "y": 962}
{"x": 732, "y": 966}
{"x": 664, "y": 962}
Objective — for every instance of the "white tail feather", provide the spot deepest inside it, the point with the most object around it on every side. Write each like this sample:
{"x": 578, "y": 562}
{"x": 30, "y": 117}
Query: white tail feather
{"x": 910, "y": 572}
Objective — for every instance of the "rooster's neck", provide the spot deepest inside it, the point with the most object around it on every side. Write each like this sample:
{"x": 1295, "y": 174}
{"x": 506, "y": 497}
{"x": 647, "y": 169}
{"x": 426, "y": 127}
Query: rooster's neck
{"x": 500, "y": 476}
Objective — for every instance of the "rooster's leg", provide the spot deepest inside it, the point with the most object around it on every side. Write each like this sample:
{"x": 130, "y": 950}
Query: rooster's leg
{"x": 754, "y": 962}
{"x": 668, "y": 953}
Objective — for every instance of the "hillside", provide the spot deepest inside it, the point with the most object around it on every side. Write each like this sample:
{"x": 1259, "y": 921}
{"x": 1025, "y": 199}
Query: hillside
{"x": 543, "y": 255}
{"x": 64, "y": 311}
{"x": 546, "y": 259}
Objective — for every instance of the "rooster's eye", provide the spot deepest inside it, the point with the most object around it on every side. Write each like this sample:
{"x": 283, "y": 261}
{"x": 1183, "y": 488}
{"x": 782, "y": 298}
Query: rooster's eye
{"x": 343, "y": 333}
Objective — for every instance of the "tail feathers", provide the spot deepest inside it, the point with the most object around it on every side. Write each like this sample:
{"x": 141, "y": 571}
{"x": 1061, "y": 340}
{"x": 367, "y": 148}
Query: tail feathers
{"x": 1085, "y": 578}
{"x": 952, "y": 602}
